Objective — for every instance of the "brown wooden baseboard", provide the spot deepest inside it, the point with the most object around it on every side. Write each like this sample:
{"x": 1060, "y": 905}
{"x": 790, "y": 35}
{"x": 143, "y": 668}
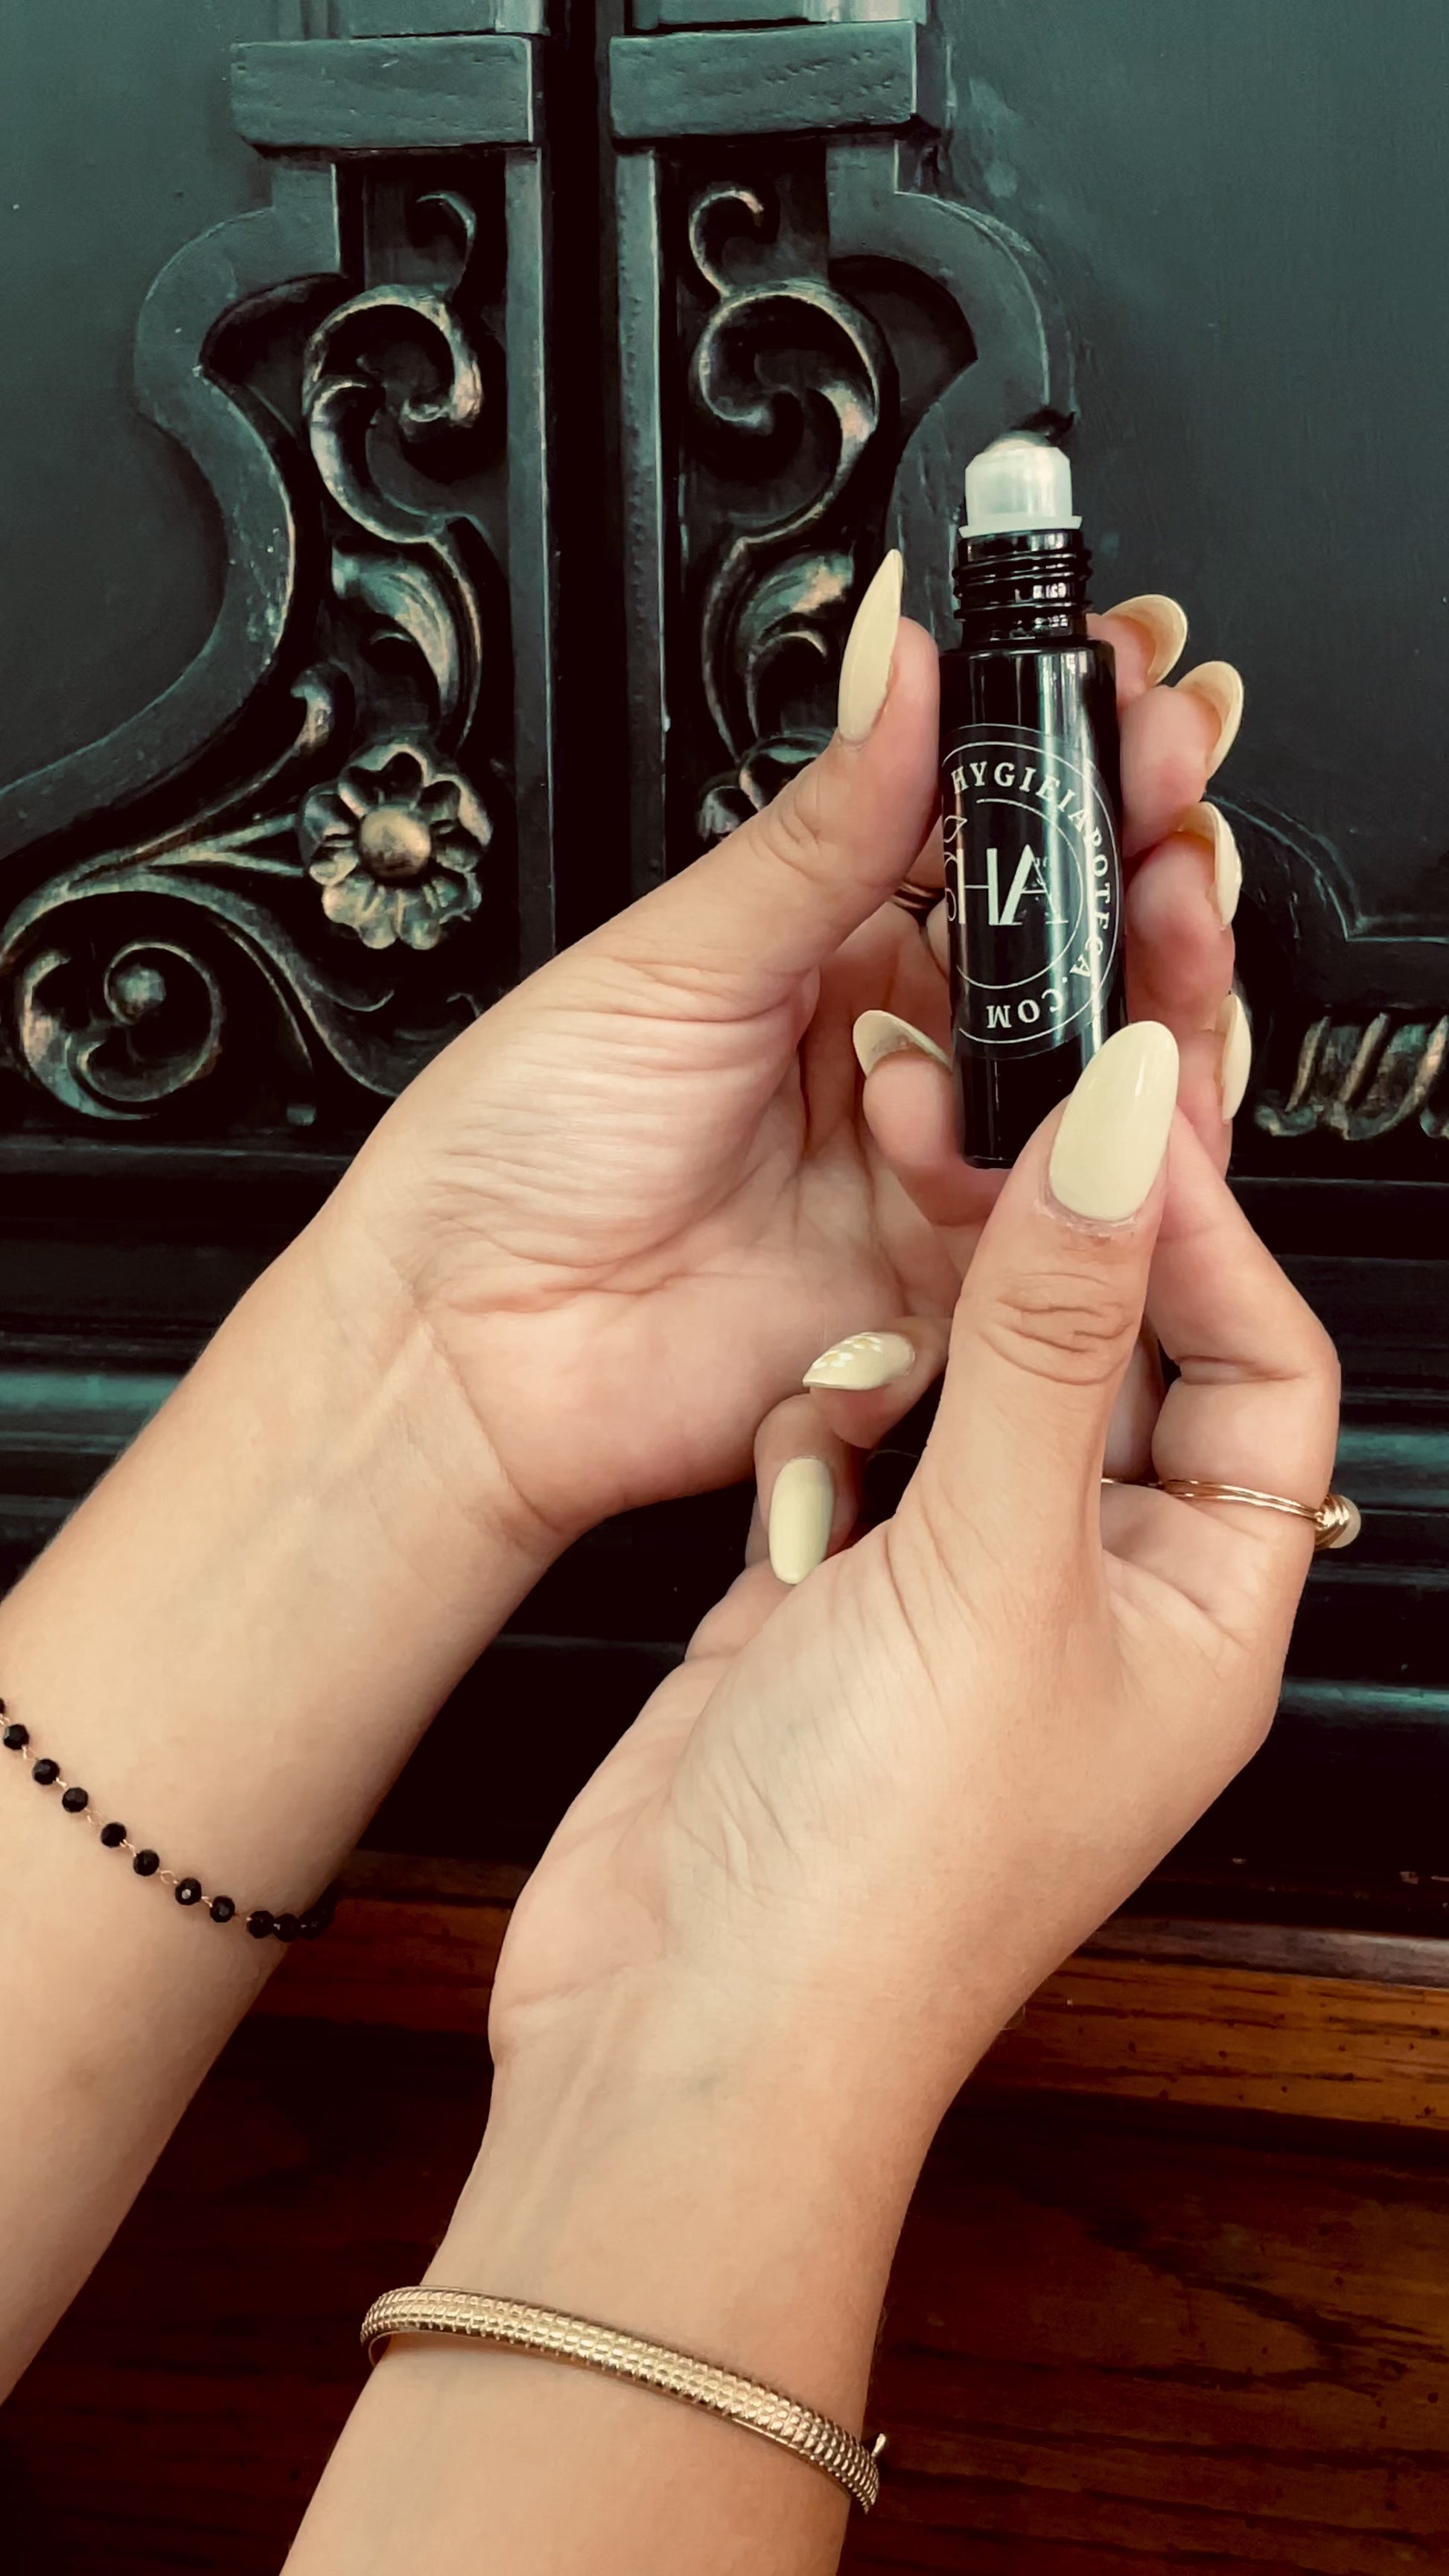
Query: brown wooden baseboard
{"x": 1204, "y": 2037}
{"x": 1212, "y": 2016}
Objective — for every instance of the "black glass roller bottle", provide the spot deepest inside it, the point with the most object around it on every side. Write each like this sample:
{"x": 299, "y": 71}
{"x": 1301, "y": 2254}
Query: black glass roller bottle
{"x": 1030, "y": 804}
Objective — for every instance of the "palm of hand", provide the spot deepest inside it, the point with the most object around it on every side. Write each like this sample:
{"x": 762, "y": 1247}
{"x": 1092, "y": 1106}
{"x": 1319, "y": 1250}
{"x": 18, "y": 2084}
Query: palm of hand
{"x": 896, "y": 1796}
{"x": 820, "y": 1751}
{"x": 711, "y": 1820}
{"x": 636, "y": 1200}
{"x": 650, "y": 1213}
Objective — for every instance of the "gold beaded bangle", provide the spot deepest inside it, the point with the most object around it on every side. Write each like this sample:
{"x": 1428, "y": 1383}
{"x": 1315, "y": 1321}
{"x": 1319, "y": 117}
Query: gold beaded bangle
{"x": 518, "y": 2327}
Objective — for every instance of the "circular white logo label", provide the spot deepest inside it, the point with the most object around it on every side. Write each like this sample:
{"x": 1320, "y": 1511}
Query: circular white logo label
{"x": 1033, "y": 888}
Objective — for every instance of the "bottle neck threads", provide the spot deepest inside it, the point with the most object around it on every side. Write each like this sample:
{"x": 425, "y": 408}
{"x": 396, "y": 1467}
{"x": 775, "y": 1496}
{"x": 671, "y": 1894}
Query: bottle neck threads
{"x": 1022, "y": 586}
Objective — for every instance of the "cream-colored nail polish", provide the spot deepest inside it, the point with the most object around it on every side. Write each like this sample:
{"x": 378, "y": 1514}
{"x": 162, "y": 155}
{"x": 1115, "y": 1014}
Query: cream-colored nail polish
{"x": 865, "y": 1360}
{"x": 865, "y": 670}
{"x": 1205, "y": 823}
{"x": 1222, "y": 687}
{"x": 1236, "y": 1030}
{"x": 802, "y": 1508}
{"x": 878, "y": 1034}
{"x": 1165, "y": 623}
{"x": 1114, "y": 1130}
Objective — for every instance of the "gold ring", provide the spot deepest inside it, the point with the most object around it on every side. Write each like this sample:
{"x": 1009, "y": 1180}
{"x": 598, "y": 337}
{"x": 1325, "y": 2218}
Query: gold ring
{"x": 919, "y": 901}
{"x": 1336, "y": 1520}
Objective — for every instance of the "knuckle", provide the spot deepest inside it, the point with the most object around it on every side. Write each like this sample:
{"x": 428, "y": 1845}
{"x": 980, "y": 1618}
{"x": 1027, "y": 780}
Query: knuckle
{"x": 793, "y": 828}
{"x": 1313, "y": 1353}
{"x": 1313, "y": 1365}
{"x": 1070, "y": 1326}
{"x": 1324, "y": 1367}
{"x": 924, "y": 1552}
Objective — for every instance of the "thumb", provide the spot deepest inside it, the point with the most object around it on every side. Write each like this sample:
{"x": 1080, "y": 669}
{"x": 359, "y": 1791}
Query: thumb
{"x": 777, "y": 898}
{"x": 1050, "y": 1314}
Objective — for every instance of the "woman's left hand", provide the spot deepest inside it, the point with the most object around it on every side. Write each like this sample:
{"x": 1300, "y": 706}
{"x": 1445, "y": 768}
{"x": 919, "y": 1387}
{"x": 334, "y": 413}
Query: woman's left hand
{"x": 626, "y": 1209}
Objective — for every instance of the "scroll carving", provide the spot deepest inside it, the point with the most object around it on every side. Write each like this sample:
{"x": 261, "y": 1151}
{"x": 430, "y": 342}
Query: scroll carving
{"x": 792, "y": 366}
{"x": 1367, "y": 1060}
{"x": 1360, "y": 1079}
{"x": 832, "y": 310}
{"x": 350, "y": 885}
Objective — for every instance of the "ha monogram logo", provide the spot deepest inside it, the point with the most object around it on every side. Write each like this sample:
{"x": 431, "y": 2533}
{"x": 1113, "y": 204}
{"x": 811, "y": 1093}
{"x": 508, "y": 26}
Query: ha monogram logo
{"x": 1033, "y": 888}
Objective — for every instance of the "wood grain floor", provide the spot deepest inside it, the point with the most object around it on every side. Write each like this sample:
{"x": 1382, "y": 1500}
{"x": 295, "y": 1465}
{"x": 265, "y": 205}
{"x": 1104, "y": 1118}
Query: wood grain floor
{"x": 1116, "y": 2349}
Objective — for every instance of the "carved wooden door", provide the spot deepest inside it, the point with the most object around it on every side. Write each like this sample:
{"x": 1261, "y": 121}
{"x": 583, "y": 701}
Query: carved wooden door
{"x": 518, "y": 405}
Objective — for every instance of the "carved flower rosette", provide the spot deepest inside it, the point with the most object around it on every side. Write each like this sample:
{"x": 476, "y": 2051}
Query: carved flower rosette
{"x": 395, "y": 846}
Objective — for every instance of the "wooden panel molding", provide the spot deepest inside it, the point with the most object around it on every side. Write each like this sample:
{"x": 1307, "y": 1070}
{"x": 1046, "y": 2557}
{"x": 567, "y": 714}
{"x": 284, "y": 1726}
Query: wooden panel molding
{"x": 1174, "y": 2015}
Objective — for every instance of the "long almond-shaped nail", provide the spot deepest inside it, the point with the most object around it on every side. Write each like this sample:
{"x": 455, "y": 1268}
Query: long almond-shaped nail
{"x": 878, "y": 1034}
{"x": 1222, "y": 687}
{"x": 1237, "y": 1035}
{"x": 865, "y": 1360}
{"x": 1166, "y": 626}
{"x": 865, "y": 670}
{"x": 1206, "y": 823}
{"x": 1114, "y": 1130}
{"x": 802, "y": 1508}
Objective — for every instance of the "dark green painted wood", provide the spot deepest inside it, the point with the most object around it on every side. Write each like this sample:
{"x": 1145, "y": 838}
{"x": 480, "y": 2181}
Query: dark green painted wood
{"x": 647, "y": 534}
{"x": 1007, "y": 275}
{"x": 1260, "y": 404}
{"x": 1396, "y": 1466}
{"x": 203, "y": 900}
{"x": 62, "y": 1412}
{"x": 532, "y": 550}
{"x": 295, "y": 237}
{"x": 116, "y": 154}
{"x": 61, "y": 1428}
{"x": 647, "y": 14}
{"x": 381, "y": 94}
{"x": 784, "y": 80}
{"x": 1359, "y": 1706}
{"x": 440, "y": 17}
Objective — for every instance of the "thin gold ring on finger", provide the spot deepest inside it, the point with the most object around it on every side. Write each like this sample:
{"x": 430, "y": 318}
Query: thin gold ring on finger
{"x": 1336, "y": 1521}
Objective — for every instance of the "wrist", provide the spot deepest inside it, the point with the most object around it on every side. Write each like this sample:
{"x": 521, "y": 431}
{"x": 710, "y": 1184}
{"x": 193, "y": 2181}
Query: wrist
{"x": 731, "y": 2192}
{"x": 237, "y": 1640}
{"x": 403, "y": 1435}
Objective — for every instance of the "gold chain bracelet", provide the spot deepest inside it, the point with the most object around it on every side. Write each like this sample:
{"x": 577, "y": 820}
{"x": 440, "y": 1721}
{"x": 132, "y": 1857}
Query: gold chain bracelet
{"x": 517, "y": 2327}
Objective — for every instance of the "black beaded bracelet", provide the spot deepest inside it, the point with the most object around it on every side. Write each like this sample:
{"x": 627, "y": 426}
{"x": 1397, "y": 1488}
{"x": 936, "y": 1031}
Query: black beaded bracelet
{"x": 262, "y": 1924}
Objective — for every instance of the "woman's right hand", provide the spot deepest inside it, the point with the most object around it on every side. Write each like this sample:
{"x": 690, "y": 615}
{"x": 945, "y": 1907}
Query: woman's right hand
{"x": 842, "y": 1843}
{"x": 906, "y": 1789}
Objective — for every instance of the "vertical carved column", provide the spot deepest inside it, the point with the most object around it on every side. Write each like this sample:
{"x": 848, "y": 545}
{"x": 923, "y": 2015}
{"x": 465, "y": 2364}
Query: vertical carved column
{"x": 812, "y": 340}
